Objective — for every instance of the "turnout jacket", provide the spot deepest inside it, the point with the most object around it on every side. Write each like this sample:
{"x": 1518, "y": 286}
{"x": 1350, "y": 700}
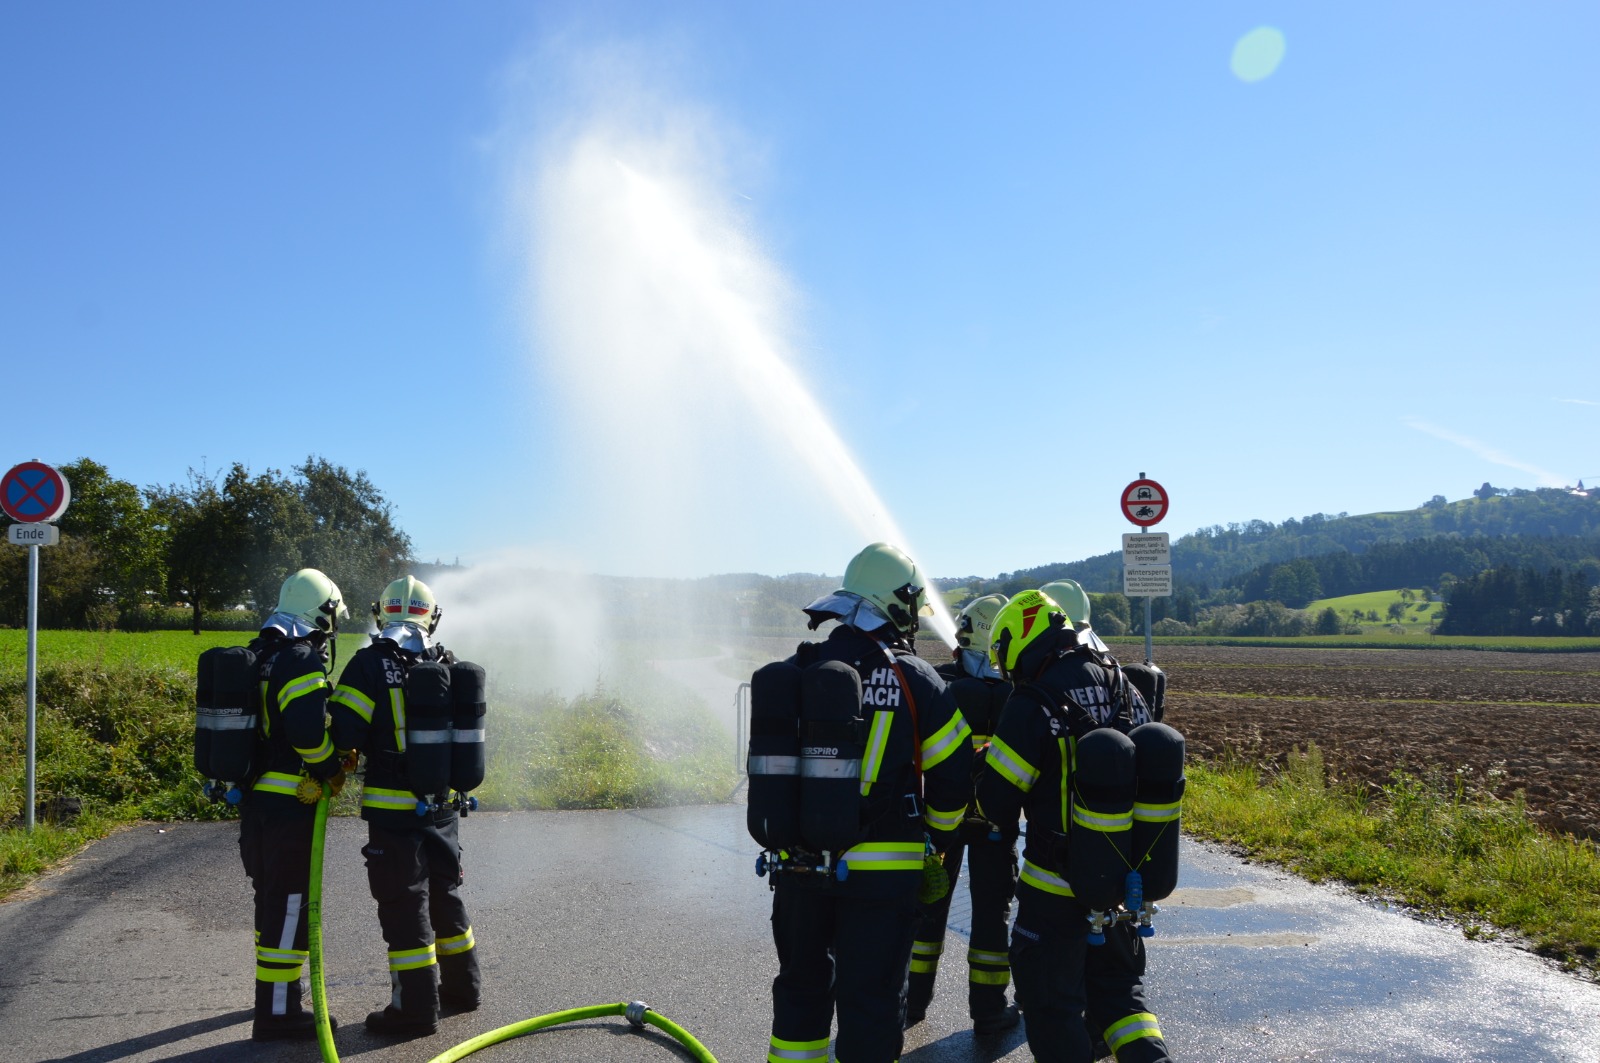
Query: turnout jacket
{"x": 369, "y": 713}
{"x": 1033, "y": 751}
{"x": 906, "y": 725}
{"x": 293, "y": 739}
{"x": 980, "y": 699}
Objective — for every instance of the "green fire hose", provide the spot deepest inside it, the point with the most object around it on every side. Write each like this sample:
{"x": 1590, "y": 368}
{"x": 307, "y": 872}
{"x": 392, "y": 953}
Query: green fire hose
{"x": 636, "y": 1012}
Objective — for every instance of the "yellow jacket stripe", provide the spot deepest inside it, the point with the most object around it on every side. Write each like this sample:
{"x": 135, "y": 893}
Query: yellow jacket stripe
{"x": 781, "y": 1051}
{"x": 943, "y": 821}
{"x": 877, "y": 740}
{"x": 1012, "y": 766}
{"x": 1048, "y": 881}
{"x": 411, "y": 959}
{"x": 885, "y": 856}
{"x": 1127, "y": 1030}
{"x": 277, "y": 782}
{"x": 452, "y": 946}
{"x": 355, "y": 701}
{"x": 301, "y": 687}
{"x": 937, "y": 747}
{"x": 319, "y": 753}
{"x": 291, "y": 956}
{"x": 1145, "y": 813}
{"x": 397, "y": 710}
{"x": 394, "y": 800}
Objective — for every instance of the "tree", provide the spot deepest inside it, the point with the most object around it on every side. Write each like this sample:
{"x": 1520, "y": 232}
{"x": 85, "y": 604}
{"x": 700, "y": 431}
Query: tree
{"x": 353, "y": 537}
{"x": 1397, "y": 611}
{"x": 206, "y": 543}
{"x": 1328, "y": 622}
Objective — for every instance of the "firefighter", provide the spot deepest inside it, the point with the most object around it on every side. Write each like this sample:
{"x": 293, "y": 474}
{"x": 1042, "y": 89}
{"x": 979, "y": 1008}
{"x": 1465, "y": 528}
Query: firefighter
{"x": 990, "y": 850}
{"x": 843, "y": 920}
{"x": 1064, "y": 690}
{"x": 293, "y": 756}
{"x": 413, "y": 854}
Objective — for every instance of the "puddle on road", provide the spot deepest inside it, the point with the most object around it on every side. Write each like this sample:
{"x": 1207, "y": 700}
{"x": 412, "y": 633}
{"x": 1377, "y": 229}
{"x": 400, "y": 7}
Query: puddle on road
{"x": 1242, "y": 941}
{"x": 1196, "y": 898}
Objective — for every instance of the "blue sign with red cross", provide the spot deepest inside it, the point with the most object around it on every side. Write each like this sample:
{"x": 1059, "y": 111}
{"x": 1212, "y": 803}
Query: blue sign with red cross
{"x": 34, "y": 492}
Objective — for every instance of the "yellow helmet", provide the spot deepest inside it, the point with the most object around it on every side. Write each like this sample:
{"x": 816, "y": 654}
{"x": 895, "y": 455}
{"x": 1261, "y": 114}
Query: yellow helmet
{"x": 886, "y": 577}
{"x": 407, "y": 600}
{"x": 1019, "y": 624}
{"x": 308, "y": 602}
{"x": 1071, "y": 597}
{"x": 976, "y": 620}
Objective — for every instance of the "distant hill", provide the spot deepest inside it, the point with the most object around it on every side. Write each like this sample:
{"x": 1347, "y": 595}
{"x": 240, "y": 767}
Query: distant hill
{"x": 1210, "y": 559}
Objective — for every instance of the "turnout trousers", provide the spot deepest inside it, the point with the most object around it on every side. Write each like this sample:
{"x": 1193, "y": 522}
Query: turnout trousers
{"x": 275, "y": 847}
{"x": 415, "y": 875}
{"x": 992, "y": 882}
{"x": 844, "y": 953}
{"x": 1060, "y": 977}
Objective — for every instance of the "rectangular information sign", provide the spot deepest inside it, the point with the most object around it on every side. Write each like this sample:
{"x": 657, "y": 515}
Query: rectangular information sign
{"x": 1147, "y": 581}
{"x": 35, "y": 534}
{"x": 1150, "y": 549}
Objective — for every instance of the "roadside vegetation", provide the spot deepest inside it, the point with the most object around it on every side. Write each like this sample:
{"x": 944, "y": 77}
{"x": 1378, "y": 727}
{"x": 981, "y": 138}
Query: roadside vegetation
{"x": 1437, "y": 845}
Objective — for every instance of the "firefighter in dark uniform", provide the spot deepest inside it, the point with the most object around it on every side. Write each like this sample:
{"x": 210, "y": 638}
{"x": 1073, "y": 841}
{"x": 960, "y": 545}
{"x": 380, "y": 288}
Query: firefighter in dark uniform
{"x": 844, "y": 937}
{"x": 293, "y": 756}
{"x": 1059, "y": 977}
{"x": 990, "y": 849}
{"x": 413, "y": 861}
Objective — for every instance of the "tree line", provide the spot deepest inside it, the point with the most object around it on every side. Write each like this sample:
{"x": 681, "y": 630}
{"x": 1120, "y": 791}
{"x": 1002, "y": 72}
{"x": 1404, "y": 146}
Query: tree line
{"x": 186, "y": 554}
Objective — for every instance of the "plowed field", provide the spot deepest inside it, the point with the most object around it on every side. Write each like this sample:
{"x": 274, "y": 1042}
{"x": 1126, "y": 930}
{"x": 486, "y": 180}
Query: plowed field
{"x": 1506, "y": 721}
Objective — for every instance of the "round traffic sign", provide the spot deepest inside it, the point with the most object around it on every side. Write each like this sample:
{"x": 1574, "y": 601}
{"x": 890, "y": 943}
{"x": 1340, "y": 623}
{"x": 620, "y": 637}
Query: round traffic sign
{"x": 34, "y": 492}
{"x": 1144, "y": 502}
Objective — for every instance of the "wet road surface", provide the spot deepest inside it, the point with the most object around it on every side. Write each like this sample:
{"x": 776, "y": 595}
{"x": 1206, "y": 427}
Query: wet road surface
{"x": 140, "y": 950}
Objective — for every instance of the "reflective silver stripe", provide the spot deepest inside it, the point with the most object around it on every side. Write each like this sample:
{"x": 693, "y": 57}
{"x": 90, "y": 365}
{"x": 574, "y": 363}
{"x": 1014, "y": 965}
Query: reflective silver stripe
{"x": 1157, "y": 813}
{"x": 1010, "y": 765}
{"x": 1039, "y": 878}
{"x": 945, "y": 741}
{"x": 828, "y": 768}
{"x": 994, "y": 959}
{"x": 774, "y": 765}
{"x": 458, "y": 735}
{"x": 266, "y": 955}
{"x": 206, "y": 721}
{"x": 903, "y": 856}
{"x": 1105, "y": 822}
{"x": 453, "y": 945}
{"x": 429, "y": 738}
{"x": 376, "y": 797}
{"x": 303, "y": 685}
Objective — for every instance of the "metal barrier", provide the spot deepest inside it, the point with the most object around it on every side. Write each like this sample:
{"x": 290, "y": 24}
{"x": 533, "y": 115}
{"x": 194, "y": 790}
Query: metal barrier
{"x": 741, "y": 726}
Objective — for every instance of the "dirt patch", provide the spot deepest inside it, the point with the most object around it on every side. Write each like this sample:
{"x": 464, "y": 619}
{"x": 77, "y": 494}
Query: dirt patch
{"x": 1506, "y": 721}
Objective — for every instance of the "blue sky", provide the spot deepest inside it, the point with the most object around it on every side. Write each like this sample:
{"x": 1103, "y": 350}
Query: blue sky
{"x": 1014, "y": 259}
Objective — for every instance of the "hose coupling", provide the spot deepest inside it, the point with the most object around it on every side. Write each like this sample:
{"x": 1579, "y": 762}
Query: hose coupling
{"x": 635, "y": 1013}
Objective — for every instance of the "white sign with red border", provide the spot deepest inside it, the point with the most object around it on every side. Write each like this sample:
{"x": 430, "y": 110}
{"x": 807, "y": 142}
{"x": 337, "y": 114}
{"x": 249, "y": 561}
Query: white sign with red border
{"x": 1144, "y": 502}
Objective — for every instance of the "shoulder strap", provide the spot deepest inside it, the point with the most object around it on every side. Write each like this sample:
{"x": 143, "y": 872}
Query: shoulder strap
{"x": 916, "y": 722}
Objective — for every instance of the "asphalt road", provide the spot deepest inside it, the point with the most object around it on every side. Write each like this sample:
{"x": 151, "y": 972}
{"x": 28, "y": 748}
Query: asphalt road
{"x": 141, "y": 950}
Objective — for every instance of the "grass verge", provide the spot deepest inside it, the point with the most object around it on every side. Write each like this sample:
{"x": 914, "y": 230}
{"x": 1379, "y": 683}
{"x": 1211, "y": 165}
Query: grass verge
{"x": 1434, "y": 845}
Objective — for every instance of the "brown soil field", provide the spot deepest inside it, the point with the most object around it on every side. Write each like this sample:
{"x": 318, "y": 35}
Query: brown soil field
{"x": 1503, "y": 721}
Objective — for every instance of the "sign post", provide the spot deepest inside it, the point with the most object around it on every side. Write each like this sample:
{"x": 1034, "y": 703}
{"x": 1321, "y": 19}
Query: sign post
{"x": 1147, "y": 556}
{"x": 33, "y": 494}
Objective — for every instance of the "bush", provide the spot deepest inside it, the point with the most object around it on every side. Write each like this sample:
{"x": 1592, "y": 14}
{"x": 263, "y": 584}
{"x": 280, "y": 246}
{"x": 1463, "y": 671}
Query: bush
{"x": 1168, "y": 626}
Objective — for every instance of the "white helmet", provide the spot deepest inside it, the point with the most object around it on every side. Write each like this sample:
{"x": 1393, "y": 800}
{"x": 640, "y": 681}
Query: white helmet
{"x": 309, "y": 602}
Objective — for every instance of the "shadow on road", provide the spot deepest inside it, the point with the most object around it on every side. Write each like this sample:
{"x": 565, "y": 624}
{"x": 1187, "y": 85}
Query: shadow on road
{"x": 146, "y": 1042}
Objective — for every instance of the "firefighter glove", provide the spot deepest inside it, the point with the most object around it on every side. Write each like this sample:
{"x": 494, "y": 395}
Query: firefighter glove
{"x": 935, "y": 879}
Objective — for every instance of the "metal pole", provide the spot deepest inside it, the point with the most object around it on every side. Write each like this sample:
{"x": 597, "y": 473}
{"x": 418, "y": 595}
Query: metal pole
{"x": 33, "y": 668}
{"x": 1148, "y": 659}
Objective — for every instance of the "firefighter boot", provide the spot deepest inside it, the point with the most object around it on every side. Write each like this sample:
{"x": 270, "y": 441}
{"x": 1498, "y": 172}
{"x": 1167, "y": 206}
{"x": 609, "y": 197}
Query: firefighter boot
{"x": 919, "y": 994}
{"x": 280, "y": 1017}
{"x": 460, "y": 984}
{"x": 413, "y": 1010}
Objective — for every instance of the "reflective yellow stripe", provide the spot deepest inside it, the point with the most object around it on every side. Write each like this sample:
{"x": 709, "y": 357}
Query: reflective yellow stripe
{"x": 356, "y": 701}
{"x": 397, "y": 710}
{"x": 1144, "y": 813}
{"x": 885, "y": 856}
{"x": 277, "y": 974}
{"x": 1126, "y": 1031}
{"x": 277, "y": 782}
{"x": 1012, "y": 767}
{"x": 266, "y": 717}
{"x": 377, "y": 797}
{"x": 454, "y": 945}
{"x": 291, "y": 956}
{"x": 1104, "y": 822}
{"x": 977, "y": 977}
{"x": 300, "y": 687}
{"x": 937, "y": 747}
{"x": 1049, "y": 881}
{"x": 877, "y": 741}
{"x": 993, "y": 959}
{"x": 411, "y": 959}
{"x": 978, "y": 740}
{"x": 938, "y": 820}
{"x": 781, "y": 1051}
{"x": 927, "y": 948}
{"x": 318, "y": 754}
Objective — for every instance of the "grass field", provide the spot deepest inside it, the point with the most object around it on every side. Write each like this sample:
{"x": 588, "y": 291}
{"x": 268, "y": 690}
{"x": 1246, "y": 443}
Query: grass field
{"x": 1416, "y": 619}
{"x": 111, "y": 649}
